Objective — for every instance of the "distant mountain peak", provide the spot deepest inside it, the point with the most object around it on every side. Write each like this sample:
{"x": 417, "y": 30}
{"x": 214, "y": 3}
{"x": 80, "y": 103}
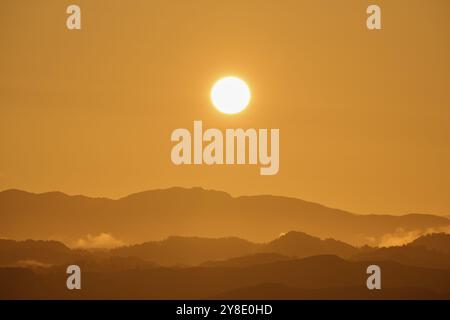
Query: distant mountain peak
{"x": 156, "y": 214}
{"x": 294, "y": 235}
{"x": 434, "y": 241}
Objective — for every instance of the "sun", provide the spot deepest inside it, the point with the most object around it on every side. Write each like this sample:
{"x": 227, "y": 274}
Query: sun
{"x": 230, "y": 95}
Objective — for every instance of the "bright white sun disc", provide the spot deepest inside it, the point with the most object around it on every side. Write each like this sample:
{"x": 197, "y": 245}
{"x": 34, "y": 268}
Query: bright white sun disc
{"x": 230, "y": 95}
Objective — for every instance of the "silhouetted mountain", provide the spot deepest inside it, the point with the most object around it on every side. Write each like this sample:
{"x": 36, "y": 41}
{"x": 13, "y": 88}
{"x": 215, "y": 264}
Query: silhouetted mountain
{"x": 191, "y": 212}
{"x": 300, "y": 245}
{"x": 246, "y": 261}
{"x": 188, "y": 250}
{"x": 176, "y": 251}
{"x": 36, "y": 252}
{"x": 195, "y": 250}
{"x": 436, "y": 241}
{"x": 231, "y": 252}
{"x": 407, "y": 255}
{"x": 104, "y": 263}
{"x": 325, "y": 273}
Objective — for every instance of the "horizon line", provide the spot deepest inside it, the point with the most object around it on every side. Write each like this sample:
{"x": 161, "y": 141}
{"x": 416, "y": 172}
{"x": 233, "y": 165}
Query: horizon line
{"x": 445, "y": 215}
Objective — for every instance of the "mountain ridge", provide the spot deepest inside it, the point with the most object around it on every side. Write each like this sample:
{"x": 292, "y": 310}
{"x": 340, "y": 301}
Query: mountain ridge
{"x": 156, "y": 214}
{"x": 328, "y": 273}
{"x": 229, "y": 251}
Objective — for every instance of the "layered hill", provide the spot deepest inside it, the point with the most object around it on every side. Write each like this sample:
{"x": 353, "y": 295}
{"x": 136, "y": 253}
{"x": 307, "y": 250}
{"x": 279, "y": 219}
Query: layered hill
{"x": 36, "y": 251}
{"x": 157, "y": 214}
{"x": 437, "y": 241}
{"x": 431, "y": 251}
{"x": 292, "y": 266}
{"x": 332, "y": 276}
{"x": 426, "y": 251}
{"x": 195, "y": 250}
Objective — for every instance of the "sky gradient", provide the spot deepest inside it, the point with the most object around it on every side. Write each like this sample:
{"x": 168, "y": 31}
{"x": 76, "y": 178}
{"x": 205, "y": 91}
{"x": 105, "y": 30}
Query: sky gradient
{"x": 364, "y": 116}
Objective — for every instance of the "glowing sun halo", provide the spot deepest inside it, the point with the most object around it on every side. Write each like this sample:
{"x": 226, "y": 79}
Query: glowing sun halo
{"x": 230, "y": 95}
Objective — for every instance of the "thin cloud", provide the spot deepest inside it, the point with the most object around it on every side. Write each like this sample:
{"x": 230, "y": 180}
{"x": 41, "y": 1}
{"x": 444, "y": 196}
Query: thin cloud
{"x": 401, "y": 237}
{"x": 101, "y": 241}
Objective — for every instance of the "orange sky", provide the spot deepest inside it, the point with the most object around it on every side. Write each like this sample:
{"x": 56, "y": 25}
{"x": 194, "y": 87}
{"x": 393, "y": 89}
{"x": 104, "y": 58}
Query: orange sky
{"x": 363, "y": 116}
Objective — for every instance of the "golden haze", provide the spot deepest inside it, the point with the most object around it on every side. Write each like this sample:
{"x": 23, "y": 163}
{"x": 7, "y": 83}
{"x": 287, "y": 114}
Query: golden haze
{"x": 363, "y": 116}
